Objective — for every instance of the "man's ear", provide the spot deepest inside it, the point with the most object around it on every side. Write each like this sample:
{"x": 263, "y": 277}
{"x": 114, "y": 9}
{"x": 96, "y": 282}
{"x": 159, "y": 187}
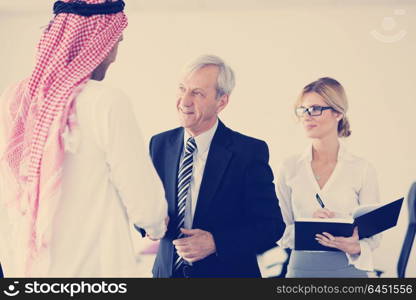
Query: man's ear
{"x": 222, "y": 103}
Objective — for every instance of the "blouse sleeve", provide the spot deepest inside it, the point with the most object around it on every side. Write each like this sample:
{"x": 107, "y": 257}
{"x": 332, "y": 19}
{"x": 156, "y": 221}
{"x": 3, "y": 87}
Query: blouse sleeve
{"x": 131, "y": 171}
{"x": 369, "y": 194}
{"x": 284, "y": 194}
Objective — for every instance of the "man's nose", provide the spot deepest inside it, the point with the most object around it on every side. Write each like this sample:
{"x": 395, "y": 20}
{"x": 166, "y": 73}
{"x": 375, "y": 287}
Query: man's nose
{"x": 186, "y": 99}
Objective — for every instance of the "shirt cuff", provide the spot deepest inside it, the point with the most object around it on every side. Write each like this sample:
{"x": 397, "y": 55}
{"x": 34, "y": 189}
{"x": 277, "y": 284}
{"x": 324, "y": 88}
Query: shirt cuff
{"x": 155, "y": 232}
{"x": 364, "y": 260}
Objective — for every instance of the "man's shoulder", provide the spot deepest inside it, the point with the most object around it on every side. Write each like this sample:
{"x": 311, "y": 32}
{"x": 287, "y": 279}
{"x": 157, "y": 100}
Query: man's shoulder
{"x": 247, "y": 147}
{"x": 102, "y": 98}
{"x": 241, "y": 139}
{"x": 104, "y": 91}
{"x": 166, "y": 135}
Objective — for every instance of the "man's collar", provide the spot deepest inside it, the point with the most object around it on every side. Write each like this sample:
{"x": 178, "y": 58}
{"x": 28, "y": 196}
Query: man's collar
{"x": 203, "y": 141}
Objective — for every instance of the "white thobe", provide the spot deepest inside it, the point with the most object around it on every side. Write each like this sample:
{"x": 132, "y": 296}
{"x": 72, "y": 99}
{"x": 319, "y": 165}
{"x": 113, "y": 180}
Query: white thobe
{"x": 108, "y": 183}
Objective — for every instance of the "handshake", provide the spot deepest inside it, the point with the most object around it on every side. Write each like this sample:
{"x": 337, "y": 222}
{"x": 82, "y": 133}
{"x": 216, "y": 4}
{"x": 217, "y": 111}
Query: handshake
{"x": 196, "y": 245}
{"x": 156, "y": 239}
{"x": 153, "y": 238}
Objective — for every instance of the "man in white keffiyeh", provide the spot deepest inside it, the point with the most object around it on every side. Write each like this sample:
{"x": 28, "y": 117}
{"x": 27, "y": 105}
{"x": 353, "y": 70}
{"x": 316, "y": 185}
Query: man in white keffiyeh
{"x": 73, "y": 163}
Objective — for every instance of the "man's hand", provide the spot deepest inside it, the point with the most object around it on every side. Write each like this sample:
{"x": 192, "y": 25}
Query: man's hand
{"x": 349, "y": 245}
{"x": 166, "y": 223}
{"x": 198, "y": 245}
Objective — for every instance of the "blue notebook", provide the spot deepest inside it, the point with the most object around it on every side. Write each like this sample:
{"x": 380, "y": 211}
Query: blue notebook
{"x": 370, "y": 219}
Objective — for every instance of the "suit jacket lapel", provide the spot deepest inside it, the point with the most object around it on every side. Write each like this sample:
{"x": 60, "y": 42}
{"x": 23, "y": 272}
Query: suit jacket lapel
{"x": 217, "y": 161}
{"x": 172, "y": 165}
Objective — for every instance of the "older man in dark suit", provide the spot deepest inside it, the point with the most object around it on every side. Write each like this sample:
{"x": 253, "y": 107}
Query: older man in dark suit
{"x": 219, "y": 186}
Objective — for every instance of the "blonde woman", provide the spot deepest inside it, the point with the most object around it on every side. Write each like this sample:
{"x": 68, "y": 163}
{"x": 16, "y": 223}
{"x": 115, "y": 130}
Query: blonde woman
{"x": 342, "y": 180}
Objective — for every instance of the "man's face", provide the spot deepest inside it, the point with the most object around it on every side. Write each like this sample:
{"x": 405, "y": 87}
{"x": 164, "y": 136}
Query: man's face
{"x": 197, "y": 104}
{"x": 100, "y": 71}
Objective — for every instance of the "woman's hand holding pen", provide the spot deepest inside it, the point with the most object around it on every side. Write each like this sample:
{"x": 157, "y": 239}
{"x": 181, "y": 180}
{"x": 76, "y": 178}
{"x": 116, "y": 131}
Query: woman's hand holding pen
{"x": 349, "y": 245}
{"x": 323, "y": 213}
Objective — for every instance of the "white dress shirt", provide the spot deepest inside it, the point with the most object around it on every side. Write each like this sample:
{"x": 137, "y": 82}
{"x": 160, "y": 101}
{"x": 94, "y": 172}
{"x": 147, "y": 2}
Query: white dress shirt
{"x": 203, "y": 142}
{"x": 353, "y": 182}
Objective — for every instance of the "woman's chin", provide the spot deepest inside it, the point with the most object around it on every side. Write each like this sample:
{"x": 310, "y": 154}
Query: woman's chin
{"x": 312, "y": 135}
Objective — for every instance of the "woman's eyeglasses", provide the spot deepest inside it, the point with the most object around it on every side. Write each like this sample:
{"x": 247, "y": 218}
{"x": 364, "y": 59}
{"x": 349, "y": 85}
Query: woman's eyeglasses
{"x": 314, "y": 110}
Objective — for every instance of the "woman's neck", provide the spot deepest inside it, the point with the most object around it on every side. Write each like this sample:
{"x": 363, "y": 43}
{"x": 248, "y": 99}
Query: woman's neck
{"x": 325, "y": 149}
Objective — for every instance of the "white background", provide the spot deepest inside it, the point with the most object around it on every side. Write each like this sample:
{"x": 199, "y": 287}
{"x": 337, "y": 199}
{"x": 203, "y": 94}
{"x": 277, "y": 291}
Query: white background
{"x": 275, "y": 48}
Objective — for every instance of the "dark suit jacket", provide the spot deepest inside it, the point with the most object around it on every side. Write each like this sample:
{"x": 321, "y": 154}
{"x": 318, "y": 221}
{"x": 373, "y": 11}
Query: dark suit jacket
{"x": 237, "y": 202}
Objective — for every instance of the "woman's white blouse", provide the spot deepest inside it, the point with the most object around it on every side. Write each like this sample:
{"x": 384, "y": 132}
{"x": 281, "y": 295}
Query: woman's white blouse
{"x": 352, "y": 183}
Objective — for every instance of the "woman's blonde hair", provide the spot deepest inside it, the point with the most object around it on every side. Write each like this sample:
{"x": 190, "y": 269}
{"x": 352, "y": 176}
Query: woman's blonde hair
{"x": 334, "y": 95}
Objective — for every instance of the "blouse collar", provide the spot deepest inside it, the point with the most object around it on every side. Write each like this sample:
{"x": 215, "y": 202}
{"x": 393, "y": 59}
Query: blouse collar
{"x": 343, "y": 153}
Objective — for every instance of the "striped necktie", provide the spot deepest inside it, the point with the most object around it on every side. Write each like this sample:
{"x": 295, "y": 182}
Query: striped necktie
{"x": 184, "y": 181}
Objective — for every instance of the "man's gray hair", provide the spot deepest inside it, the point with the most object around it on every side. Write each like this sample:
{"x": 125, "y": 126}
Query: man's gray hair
{"x": 225, "y": 80}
